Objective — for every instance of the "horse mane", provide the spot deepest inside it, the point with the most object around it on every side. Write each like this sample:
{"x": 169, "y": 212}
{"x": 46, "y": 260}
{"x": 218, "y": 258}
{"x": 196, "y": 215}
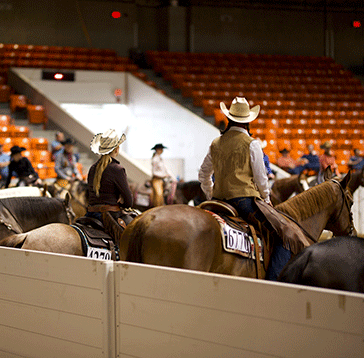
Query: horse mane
{"x": 27, "y": 204}
{"x": 309, "y": 202}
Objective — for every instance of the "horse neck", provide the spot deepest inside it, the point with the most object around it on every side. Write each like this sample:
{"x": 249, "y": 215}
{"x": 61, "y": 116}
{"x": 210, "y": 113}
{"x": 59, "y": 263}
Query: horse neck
{"x": 354, "y": 183}
{"x": 287, "y": 188}
{"x": 317, "y": 221}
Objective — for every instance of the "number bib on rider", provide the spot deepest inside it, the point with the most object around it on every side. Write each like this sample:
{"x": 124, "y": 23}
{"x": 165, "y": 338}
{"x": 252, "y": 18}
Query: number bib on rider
{"x": 98, "y": 254}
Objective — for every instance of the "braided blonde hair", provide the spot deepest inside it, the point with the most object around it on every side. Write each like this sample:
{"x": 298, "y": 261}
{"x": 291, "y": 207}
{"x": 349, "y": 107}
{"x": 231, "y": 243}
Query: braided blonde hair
{"x": 104, "y": 161}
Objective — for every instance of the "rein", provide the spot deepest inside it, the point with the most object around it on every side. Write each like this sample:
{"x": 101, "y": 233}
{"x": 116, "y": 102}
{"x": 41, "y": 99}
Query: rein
{"x": 344, "y": 202}
{"x": 7, "y": 225}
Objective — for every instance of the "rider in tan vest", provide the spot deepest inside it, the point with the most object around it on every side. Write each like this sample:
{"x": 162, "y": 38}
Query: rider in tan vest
{"x": 235, "y": 160}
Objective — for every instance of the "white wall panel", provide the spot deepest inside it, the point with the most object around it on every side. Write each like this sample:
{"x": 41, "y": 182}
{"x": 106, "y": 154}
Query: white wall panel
{"x": 165, "y": 312}
{"x": 55, "y": 306}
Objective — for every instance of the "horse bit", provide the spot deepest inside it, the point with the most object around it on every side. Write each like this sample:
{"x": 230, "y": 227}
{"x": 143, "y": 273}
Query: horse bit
{"x": 345, "y": 202}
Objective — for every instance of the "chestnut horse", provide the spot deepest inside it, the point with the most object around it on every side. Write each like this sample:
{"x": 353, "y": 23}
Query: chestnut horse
{"x": 183, "y": 236}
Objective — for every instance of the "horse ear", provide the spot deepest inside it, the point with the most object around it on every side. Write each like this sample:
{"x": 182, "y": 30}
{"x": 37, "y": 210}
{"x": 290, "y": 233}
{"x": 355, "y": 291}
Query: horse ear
{"x": 45, "y": 189}
{"x": 67, "y": 198}
{"x": 344, "y": 183}
{"x": 328, "y": 173}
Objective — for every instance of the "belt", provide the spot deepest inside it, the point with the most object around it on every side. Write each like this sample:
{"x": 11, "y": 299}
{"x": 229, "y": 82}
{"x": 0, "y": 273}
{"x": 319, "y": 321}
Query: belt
{"x": 103, "y": 208}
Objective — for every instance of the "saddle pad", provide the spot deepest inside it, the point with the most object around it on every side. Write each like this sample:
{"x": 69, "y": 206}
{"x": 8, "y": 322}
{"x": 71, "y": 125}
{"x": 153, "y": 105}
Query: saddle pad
{"x": 93, "y": 252}
{"x": 237, "y": 241}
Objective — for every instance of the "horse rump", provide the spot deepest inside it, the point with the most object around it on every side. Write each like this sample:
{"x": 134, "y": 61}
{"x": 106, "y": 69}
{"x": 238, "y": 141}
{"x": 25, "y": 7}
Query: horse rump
{"x": 337, "y": 263}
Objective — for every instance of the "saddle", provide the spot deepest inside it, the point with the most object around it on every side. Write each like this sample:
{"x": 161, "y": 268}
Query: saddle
{"x": 238, "y": 237}
{"x": 93, "y": 235}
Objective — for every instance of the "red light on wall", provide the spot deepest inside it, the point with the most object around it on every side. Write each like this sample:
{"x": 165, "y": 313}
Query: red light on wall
{"x": 356, "y": 24}
{"x": 58, "y": 76}
{"x": 116, "y": 14}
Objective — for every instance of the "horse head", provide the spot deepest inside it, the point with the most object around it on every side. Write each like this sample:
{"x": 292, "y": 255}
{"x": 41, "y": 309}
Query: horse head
{"x": 342, "y": 223}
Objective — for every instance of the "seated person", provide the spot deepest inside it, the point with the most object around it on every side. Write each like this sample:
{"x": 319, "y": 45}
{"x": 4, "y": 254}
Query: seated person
{"x": 326, "y": 159}
{"x": 56, "y": 145}
{"x": 22, "y": 167}
{"x": 286, "y": 162}
{"x": 65, "y": 166}
{"x": 310, "y": 161}
{"x": 356, "y": 162}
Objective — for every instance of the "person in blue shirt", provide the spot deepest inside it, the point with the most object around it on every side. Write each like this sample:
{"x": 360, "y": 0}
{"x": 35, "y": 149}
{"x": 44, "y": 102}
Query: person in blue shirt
{"x": 309, "y": 161}
{"x": 356, "y": 162}
{"x": 4, "y": 162}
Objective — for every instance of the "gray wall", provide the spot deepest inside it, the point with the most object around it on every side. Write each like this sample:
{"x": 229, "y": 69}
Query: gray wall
{"x": 213, "y": 29}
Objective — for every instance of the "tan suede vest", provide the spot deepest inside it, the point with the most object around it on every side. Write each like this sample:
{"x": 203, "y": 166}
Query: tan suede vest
{"x": 232, "y": 170}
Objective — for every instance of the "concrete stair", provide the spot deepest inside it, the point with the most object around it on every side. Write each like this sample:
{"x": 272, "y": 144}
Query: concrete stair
{"x": 20, "y": 119}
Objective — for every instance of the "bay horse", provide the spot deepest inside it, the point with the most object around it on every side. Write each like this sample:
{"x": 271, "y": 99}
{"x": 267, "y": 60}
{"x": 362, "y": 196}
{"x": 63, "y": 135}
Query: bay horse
{"x": 21, "y": 214}
{"x": 187, "y": 191}
{"x": 283, "y": 188}
{"x": 79, "y": 196}
{"x": 187, "y": 237}
{"x": 337, "y": 264}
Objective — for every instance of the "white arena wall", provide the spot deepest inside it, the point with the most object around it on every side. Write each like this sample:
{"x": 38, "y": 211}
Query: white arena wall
{"x": 88, "y": 106}
{"x": 63, "y": 306}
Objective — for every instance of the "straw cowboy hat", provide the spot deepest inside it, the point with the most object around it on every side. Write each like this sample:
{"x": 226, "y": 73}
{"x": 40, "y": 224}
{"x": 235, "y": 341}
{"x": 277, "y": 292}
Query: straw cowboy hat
{"x": 240, "y": 111}
{"x": 105, "y": 143}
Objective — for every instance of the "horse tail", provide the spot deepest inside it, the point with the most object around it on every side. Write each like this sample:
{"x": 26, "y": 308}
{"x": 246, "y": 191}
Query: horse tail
{"x": 16, "y": 241}
{"x": 136, "y": 231}
{"x": 294, "y": 269}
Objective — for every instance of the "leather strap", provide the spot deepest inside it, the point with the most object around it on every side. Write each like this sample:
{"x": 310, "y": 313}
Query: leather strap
{"x": 103, "y": 208}
{"x": 257, "y": 253}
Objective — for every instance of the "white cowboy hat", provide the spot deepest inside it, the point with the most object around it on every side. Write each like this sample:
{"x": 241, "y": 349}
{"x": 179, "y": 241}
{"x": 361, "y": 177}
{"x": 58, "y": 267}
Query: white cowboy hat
{"x": 105, "y": 143}
{"x": 240, "y": 111}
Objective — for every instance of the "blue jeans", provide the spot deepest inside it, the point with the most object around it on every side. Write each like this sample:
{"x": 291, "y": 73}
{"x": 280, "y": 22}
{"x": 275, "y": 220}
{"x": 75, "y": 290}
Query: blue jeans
{"x": 280, "y": 255}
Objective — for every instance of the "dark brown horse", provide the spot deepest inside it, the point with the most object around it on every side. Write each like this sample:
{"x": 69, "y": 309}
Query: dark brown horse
{"x": 79, "y": 196}
{"x": 187, "y": 191}
{"x": 21, "y": 214}
{"x": 337, "y": 264}
{"x": 282, "y": 189}
{"x": 188, "y": 237}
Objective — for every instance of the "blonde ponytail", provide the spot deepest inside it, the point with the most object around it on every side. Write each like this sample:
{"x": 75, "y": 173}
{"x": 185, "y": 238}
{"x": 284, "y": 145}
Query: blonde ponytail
{"x": 104, "y": 161}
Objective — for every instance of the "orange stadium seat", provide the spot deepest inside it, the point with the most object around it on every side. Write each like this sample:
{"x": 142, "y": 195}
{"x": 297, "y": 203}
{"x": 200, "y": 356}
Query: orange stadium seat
{"x": 36, "y": 114}
{"x": 19, "y": 131}
{"x": 39, "y": 143}
{"x": 18, "y": 101}
{"x": 7, "y": 143}
{"x": 5, "y": 91}
{"x": 5, "y": 120}
{"x": 41, "y": 156}
{"x": 22, "y": 142}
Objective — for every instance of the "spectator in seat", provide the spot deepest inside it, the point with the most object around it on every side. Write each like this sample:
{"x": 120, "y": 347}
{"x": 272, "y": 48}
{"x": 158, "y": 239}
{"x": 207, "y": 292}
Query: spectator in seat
{"x": 65, "y": 165}
{"x": 22, "y": 167}
{"x": 286, "y": 162}
{"x": 310, "y": 161}
{"x": 327, "y": 159}
{"x": 4, "y": 162}
{"x": 356, "y": 162}
{"x": 56, "y": 145}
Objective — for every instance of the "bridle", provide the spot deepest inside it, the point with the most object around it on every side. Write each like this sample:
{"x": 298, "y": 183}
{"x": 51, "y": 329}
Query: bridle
{"x": 344, "y": 203}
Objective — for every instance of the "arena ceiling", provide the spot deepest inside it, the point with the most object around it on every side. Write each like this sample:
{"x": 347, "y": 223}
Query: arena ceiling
{"x": 312, "y": 5}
